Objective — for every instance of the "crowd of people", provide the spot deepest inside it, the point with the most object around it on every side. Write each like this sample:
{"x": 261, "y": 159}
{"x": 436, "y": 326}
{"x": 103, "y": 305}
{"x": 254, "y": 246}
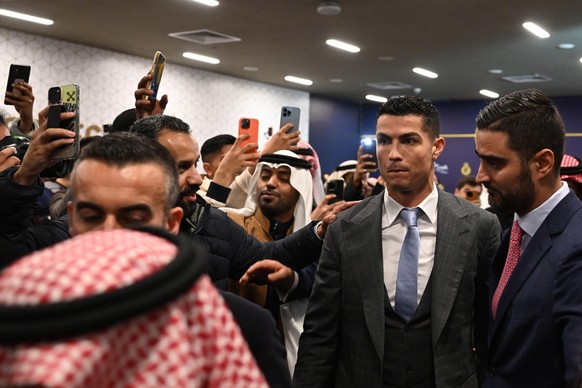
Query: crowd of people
{"x": 135, "y": 270}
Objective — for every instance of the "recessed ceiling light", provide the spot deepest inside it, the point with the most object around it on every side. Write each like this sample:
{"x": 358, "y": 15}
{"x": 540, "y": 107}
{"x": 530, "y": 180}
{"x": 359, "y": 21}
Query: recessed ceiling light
{"x": 489, "y": 93}
{"x": 201, "y": 58}
{"x": 374, "y": 98}
{"x": 336, "y": 80}
{"x": 342, "y": 45}
{"x": 298, "y": 80}
{"x": 424, "y": 72}
{"x": 23, "y": 16}
{"x": 580, "y": 59}
{"x": 495, "y": 71}
{"x": 566, "y": 46}
{"x": 210, "y": 3}
{"x": 251, "y": 68}
{"x": 329, "y": 8}
{"x": 536, "y": 30}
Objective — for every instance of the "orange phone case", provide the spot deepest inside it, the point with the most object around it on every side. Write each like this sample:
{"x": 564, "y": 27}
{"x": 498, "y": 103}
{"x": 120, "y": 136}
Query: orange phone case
{"x": 251, "y": 126}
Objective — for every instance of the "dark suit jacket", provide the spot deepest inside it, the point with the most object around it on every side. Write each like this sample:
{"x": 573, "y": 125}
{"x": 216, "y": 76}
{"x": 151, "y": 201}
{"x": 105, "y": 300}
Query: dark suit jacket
{"x": 259, "y": 330}
{"x": 343, "y": 340}
{"x": 536, "y": 339}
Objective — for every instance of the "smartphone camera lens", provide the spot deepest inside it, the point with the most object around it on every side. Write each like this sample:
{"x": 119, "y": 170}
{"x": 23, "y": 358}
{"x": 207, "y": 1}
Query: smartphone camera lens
{"x": 54, "y": 95}
{"x": 286, "y": 112}
{"x": 245, "y": 123}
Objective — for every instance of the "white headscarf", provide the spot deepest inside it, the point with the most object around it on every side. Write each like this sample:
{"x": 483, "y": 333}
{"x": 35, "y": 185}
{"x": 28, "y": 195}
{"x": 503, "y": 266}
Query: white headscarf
{"x": 300, "y": 180}
{"x": 341, "y": 170}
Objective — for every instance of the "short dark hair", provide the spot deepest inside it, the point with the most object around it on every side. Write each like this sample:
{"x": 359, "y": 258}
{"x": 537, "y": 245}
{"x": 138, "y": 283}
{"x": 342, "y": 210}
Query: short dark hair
{"x": 153, "y": 126}
{"x": 414, "y": 105}
{"x": 123, "y": 121}
{"x": 531, "y": 121}
{"x": 467, "y": 180}
{"x": 122, "y": 149}
{"x": 215, "y": 144}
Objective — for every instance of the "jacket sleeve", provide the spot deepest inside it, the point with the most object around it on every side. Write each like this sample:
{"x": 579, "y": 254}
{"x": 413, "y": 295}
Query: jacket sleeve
{"x": 319, "y": 346}
{"x": 16, "y": 214}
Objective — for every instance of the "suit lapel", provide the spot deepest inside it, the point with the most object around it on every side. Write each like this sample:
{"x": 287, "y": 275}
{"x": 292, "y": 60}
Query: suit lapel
{"x": 450, "y": 260}
{"x": 540, "y": 243}
{"x": 363, "y": 236}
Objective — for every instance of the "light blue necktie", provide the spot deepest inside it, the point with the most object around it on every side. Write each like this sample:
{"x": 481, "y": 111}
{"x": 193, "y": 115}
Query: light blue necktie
{"x": 407, "y": 282}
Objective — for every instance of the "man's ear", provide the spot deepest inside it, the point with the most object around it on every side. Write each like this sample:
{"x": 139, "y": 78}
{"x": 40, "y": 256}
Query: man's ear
{"x": 438, "y": 147}
{"x": 208, "y": 168}
{"x": 544, "y": 162}
{"x": 174, "y": 218}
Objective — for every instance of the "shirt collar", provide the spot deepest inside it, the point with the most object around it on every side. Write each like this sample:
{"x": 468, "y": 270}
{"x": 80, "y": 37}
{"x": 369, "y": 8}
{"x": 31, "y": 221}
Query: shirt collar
{"x": 428, "y": 206}
{"x": 531, "y": 222}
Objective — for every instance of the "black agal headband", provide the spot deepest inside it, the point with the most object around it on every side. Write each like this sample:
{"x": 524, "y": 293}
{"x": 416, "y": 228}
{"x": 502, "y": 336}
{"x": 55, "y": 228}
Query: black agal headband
{"x": 284, "y": 159}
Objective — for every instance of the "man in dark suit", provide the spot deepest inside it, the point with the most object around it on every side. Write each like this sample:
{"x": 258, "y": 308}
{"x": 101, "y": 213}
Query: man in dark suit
{"x": 365, "y": 326}
{"x": 535, "y": 310}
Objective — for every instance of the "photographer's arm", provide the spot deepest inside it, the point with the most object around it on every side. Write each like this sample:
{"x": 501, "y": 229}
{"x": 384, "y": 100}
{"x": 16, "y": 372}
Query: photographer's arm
{"x": 44, "y": 143}
{"x": 23, "y": 103}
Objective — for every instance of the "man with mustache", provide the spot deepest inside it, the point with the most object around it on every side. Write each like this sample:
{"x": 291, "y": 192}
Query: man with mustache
{"x": 399, "y": 302}
{"x": 535, "y": 303}
{"x": 233, "y": 250}
{"x": 279, "y": 203}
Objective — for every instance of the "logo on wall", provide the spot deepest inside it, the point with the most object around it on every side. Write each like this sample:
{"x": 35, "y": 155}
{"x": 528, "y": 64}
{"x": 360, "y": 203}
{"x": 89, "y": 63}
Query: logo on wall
{"x": 441, "y": 168}
{"x": 466, "y": 169}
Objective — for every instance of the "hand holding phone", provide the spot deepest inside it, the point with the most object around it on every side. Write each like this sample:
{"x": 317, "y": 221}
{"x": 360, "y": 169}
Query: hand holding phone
{"x": 17, "y": 73}
{"x": 369, "y": 147}
{"x": 290, "y": 115}
{"x": 335, "y": 186}
{"x": 65, "y": 98}
{"x": 156, "y": 72}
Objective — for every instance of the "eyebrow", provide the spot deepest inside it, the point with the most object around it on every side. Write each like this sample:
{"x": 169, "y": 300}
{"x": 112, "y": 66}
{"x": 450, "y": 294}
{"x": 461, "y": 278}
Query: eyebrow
{"x": 137, "y": 207}
{"x": 490, "y": 158}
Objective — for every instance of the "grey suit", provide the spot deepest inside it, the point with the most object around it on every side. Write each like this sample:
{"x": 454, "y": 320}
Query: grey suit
{"x": 343, "y": 340}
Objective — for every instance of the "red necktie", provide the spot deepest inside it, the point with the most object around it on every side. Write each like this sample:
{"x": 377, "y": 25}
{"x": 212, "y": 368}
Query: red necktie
{"x": 512, "y": 256}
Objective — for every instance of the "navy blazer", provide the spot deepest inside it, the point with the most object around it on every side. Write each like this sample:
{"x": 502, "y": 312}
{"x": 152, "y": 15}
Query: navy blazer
{"x": 536, "y": 338}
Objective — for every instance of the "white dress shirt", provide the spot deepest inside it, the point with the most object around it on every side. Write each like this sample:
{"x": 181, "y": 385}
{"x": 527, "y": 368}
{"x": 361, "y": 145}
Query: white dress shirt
{"x": 393, "y": 232}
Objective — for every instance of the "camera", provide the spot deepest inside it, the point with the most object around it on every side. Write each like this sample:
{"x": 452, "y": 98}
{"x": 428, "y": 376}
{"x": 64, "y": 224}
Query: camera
{"x": 58, "y": 170}
{"x": 245, "y": 123}
{"x": 335, "y": 186}
{"x": 286, "y": 112}
{"x": 54, "y": 95}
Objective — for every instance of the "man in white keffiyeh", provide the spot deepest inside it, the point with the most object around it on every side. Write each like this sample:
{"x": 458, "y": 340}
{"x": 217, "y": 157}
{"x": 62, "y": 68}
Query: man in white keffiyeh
{"x": 279, "y": 202}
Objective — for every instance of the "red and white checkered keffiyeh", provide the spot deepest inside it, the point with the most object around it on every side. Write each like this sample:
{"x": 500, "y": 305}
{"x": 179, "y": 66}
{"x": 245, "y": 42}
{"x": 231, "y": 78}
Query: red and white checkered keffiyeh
{"x": 192, "y": 341}
{"x": 570, "y": 161}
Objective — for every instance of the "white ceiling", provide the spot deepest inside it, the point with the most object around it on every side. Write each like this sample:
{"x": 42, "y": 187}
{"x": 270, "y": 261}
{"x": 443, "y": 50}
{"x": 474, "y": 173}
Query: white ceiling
{"x": 458, "y": 39}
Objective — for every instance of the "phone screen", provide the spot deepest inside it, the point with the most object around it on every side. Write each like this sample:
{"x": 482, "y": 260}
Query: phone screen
{"x": 369, "y": 147}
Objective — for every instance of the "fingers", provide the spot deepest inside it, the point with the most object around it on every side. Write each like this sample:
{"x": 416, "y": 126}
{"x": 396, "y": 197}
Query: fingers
{"x": 8, "y": 158}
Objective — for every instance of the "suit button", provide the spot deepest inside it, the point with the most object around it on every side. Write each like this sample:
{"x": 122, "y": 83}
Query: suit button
{"x": 491, "y": 371}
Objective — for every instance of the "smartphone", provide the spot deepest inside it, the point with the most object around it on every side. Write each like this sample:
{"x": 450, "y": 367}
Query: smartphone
{"x": 65, "y": 98}
{"x": 369, "y": 147}
{"x": 157, "y": 71}
{"x": 17, "y": 73}
{"x": 250, "y": 126}
{"x": 290, "y": 114}
{"x": 335, "y": 186}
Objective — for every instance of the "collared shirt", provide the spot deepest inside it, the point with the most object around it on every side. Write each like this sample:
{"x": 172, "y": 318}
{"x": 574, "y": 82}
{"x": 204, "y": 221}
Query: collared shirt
{"x": 531, "y": 222}
{"x": 393, "y": 232}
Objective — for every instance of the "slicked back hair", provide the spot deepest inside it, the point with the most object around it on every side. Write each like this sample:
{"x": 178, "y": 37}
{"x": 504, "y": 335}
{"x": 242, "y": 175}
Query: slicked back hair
{"x": 121, "y": 149}
{"x": 417, "y": 106}
{"x": 153, "y": 126}
{"x": 531, "y": 121}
